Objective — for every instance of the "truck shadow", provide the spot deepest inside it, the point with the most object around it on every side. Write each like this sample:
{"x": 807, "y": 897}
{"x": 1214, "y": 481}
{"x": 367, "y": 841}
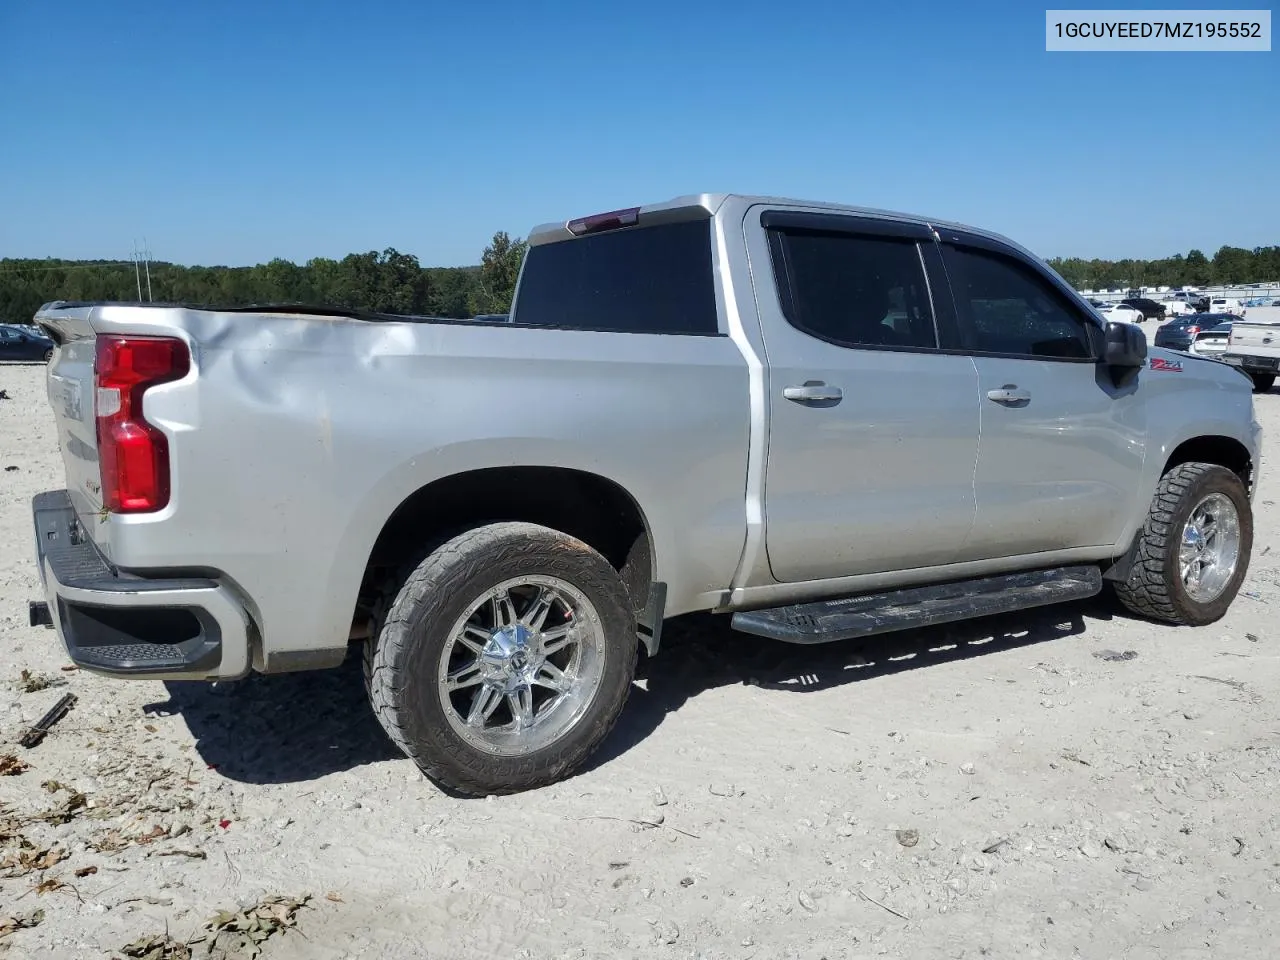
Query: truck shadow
{"x": 700, "y": 652}
{"x": 297, "y": 727}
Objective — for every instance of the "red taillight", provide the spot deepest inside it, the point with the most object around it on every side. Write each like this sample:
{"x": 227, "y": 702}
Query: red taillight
{"x": 133, "y": 455}
{"x": 1193, "y": 330}
{"x": 605, "y": 221}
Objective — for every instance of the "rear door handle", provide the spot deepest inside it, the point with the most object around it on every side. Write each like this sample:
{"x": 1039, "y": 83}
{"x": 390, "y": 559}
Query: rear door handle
{"x": 1009, "y": 393}
{"x": 813, "y": 391}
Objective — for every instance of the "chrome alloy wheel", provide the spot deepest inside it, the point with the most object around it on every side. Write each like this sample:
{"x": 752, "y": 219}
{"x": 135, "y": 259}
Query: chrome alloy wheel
{"x": 1210, "y": 548}
{"x": 522, "y": 665}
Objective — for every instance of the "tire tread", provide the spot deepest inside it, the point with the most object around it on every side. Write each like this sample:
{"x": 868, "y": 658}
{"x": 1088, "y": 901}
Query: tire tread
{"x": 462, "y": 557}
{"x": 1148, "y": 591}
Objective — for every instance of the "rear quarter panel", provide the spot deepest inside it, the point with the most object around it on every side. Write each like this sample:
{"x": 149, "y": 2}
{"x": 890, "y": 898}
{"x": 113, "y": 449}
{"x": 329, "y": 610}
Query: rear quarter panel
{"x": 298, "y": 437}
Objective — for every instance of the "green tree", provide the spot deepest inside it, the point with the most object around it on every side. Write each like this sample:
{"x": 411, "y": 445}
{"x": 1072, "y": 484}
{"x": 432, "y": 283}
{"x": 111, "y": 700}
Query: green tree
{"x": 499, "y": 269}
{"x": 1198, "y": 271}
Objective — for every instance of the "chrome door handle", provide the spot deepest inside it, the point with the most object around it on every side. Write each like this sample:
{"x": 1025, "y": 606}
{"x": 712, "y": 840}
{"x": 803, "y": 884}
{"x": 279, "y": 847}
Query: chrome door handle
{"x": 1009, "y": 393}
{"x": 814, "y": 391}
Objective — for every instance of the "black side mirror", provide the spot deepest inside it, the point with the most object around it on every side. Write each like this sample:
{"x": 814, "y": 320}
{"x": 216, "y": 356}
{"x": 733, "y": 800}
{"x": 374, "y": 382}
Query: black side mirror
{"x": 1125, "y": 345}
{"x": 1124, "y": 350}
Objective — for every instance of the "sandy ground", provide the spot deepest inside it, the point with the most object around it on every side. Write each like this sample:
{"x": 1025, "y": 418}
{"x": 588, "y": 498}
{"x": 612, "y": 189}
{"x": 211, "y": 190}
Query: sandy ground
{"x": 1070, "y": 783}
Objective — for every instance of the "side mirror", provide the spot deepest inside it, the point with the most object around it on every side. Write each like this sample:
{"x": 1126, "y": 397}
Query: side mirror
{"x": 1125, "y": 346}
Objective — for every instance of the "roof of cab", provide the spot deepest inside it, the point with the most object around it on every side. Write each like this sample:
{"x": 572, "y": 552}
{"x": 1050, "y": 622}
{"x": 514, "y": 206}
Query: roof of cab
{"x": 681, "y": 207}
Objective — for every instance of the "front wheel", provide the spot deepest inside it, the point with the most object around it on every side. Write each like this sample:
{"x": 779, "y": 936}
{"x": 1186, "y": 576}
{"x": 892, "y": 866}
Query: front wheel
{"x": 1193, "y": 549}
{"x": 48, "y": 355}
{"x": 505, "y": 658}
{"x": 1262, "y": 382}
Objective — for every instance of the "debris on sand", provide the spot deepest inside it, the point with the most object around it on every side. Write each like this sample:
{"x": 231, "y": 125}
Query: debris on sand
{"x": 8, "y": 924}
{"x": 1114, "y": 656}
{"x": 36, "y": 732}
{"x": 227, "y": 933}
{"x": 908, "y": 838}
{"x": 25, "y": 861}
{"x": 29, "y": 682}
{"x": 241, "y": 934}
{"x": 159, "y": 946}
{"x": 11, "y": 766}
{"x": 69, "y": 809}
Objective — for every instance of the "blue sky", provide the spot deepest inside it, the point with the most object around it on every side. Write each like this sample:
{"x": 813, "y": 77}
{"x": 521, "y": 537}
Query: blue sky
{"x": 236, "y": 131}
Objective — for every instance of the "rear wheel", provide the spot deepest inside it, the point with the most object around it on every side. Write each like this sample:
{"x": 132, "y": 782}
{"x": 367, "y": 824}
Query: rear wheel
{"x": 505, "y": 658}
{"x": 1262, "y": 382}
{"x": 1193, "y": 550}
{"x": 48, "y": 355}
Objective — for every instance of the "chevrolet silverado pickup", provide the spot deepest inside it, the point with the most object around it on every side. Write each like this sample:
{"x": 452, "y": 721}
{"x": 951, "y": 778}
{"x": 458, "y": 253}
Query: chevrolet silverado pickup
{"x": 819, "y": 421}
{"x": 1254, "y": 347}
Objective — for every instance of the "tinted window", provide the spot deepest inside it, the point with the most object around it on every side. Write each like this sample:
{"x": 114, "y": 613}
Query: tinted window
{"x": 856, "y": 291}
{"x": 641, "y": 280}
{"x": 1006, "y": 308}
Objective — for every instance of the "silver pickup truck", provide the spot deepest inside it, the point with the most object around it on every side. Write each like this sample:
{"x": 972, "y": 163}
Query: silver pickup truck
{"x": 821, "y": 421}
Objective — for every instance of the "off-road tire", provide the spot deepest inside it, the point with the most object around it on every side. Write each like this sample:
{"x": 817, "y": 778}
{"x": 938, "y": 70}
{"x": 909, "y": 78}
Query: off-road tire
{"x": 1154, "y": 589}
{"x": 402, "y": 659}
{"x": 1262, "y": 382}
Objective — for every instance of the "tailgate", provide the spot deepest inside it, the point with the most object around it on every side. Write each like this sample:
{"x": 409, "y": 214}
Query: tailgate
{"x": 71, "y": 395}
{"x": 1255, "y": 339}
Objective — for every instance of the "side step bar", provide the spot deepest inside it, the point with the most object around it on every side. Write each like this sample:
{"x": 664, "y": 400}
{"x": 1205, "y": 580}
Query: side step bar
{"x": 863, "y": 616}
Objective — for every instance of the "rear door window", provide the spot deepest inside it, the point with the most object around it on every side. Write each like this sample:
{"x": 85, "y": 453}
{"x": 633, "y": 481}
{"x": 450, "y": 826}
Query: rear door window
{"x": 854, "y": 290}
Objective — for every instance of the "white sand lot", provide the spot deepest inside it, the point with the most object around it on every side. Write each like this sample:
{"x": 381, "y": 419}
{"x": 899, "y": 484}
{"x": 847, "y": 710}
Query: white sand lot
{"x": 997, "y": 789}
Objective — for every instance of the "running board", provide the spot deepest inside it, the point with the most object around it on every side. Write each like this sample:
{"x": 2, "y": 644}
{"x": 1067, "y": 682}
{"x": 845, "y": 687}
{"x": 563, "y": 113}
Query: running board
{"x": 862, "y": 616}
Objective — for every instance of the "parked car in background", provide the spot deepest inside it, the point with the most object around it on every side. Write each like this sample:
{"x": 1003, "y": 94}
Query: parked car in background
{"x": 1122, "y": 312}
{"x": 1177, "y": 308}
{"x": 1226, "y": 305}
{"x": 1211, "y": 341}
{"x": 1151, "y": 310}
{"x": 17, "y": 343}
{"x": 1255, "y": 349}
{"x": 1179, "y": 333}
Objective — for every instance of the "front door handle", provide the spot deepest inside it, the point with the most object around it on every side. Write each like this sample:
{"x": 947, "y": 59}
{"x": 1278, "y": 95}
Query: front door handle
{"x": 813, "y": 391}
{"x": 1010, "y": 394}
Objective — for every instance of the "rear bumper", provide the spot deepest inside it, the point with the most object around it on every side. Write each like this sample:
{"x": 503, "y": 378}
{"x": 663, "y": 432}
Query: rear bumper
{"x": 1253, "y": 364}
{"x": 121, "y": 624}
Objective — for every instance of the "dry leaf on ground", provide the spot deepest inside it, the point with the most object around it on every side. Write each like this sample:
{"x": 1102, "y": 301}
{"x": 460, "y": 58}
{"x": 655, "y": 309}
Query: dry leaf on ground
{"x": 20, "y": 921}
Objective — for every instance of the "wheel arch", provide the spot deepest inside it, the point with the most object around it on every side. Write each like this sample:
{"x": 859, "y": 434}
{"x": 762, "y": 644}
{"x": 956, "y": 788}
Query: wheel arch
{"x": 1203, "y": 447}
{"x": 1225, "y": 451}
{"x": 586, "y": 505}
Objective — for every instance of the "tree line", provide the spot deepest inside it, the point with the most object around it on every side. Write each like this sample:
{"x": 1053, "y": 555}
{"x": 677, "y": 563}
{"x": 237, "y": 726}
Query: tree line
{"x": 385, "y": 282}
{"x": 395, "y": 282}
{"x": 1229, "y": 266}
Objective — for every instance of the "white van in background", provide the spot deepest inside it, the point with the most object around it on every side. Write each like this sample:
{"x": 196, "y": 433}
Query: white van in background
{"x": 1226, "y": 305}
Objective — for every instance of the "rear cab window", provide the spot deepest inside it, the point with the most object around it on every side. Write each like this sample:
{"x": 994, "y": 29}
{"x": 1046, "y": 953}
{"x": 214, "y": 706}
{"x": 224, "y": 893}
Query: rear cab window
{"x": 655, "y": 278}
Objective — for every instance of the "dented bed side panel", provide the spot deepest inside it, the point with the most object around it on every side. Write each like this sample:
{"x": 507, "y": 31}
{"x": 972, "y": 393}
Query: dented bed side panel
{"x": 294, "y": 438}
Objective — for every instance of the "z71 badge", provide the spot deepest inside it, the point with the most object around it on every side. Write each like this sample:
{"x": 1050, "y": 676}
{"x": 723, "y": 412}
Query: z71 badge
{"x": 1170, "y": 366}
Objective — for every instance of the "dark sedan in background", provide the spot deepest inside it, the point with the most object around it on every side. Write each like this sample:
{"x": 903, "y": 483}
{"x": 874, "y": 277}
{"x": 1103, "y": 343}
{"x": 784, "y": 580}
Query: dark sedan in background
{"x": 1180, "y": 332}
{"x": 18, "y": 343}
{"x": 1150, "y": 309}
